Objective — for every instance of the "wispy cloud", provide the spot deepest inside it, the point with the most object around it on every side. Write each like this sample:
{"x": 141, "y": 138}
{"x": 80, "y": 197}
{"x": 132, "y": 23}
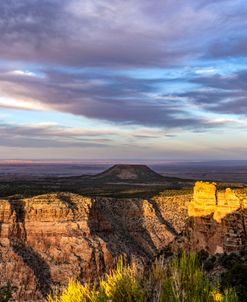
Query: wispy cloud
{"x": 117, "y": 99}
{"x": 48, "y": 134}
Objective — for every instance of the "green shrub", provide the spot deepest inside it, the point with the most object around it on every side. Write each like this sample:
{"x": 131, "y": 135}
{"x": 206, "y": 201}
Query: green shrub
{"x": 237, "y": 277}
{"x": 185, "y": 281}
{"x": 209, "y": 263}
{"x": 202, "y": 256}
{"x": 229, "y": 260}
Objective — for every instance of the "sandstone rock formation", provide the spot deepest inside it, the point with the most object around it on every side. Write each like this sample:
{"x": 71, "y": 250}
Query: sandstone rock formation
{"x": 204, "y": 199}
{"x": 218, "y": 219}
{"x": 49, "y": 238}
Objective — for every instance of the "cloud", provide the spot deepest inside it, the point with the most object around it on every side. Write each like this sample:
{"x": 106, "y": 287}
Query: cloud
{"x": 118, "y": 99}
{"x": 50, "y": 135}
{"x": 118, "y": 33}
{"x": 221, "y": 94}
{"x": 208, "y": 70}
{"x": 23, "y": 72}
{"x": 85, "y": 58}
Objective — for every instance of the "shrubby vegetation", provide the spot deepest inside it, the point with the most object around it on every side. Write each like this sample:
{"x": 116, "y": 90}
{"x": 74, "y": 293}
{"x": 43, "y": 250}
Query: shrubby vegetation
{"x": 236, "y": 272}
{"x": 232, "y": 268}
{"x": 181, "y": 280}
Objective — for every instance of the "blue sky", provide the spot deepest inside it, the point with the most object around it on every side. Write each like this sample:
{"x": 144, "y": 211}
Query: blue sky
{"x": 123, "y": 79}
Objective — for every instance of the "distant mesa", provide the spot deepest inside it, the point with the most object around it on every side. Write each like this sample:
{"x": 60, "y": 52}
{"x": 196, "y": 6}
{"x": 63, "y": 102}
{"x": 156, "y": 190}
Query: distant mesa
{"x": 133, "y": 173}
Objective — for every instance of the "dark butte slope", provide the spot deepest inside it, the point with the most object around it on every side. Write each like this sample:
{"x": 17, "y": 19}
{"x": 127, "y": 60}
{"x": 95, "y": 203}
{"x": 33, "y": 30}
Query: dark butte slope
{"x": 132, "y": 173}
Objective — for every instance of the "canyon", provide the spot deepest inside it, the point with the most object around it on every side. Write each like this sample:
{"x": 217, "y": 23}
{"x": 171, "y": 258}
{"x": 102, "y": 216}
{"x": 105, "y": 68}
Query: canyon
{"x": 49, "y": 238}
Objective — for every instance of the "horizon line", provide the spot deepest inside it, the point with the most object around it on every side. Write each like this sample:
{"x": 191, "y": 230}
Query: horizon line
{"x": 112, "y": 161}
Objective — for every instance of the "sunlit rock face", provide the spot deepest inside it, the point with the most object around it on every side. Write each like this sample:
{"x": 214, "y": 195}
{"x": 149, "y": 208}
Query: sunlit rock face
{"x": 218, "y": 219}
{"x": 227, "y": 203}
{"x": 204, "y": 199}
{"x": 47, "y": 239}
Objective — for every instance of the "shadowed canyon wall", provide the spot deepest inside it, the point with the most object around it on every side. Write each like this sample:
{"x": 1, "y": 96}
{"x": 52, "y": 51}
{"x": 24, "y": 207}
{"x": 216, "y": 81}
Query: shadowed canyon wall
{"x": 49, "y": 238}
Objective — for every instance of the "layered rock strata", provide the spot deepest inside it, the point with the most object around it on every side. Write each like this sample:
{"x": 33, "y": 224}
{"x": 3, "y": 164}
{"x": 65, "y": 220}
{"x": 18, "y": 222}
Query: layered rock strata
{"x": 47, "y": 239}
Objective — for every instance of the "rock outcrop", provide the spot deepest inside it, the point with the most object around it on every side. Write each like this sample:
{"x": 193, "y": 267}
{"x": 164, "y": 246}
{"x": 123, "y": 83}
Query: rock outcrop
{"x": 47, "y": 239}
{"x": 218, "y": 219}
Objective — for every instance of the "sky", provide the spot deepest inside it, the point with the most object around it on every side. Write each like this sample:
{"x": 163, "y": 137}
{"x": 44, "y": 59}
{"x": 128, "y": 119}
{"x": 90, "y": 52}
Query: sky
{"x": 133, "y": 79}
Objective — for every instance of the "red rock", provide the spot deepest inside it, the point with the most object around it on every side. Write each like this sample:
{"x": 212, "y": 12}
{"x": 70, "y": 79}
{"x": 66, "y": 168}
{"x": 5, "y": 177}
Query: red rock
{"x": 47, "y": 239}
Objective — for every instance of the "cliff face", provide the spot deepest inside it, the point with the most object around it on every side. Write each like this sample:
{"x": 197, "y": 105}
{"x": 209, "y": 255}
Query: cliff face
{"x": 218, "y": 219}
{"x": 49, "y": 238}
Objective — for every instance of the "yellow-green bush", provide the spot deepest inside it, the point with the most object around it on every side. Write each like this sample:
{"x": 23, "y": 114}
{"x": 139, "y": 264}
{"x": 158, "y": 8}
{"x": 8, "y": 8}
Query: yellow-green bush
{"x": 76, "y": 292}
{"x": 181, "y": 280}
{"x": 122, "y": 285}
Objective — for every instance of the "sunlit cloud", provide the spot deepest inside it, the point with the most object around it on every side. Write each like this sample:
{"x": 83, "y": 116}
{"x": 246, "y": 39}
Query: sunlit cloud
{"x": 22, "y": 73}
{"x": 209, "y": 71}
{"x": 19, "y": 104}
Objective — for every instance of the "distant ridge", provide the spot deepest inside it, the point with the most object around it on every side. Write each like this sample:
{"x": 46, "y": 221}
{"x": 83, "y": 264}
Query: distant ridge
{"x": 133, "y": 173}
